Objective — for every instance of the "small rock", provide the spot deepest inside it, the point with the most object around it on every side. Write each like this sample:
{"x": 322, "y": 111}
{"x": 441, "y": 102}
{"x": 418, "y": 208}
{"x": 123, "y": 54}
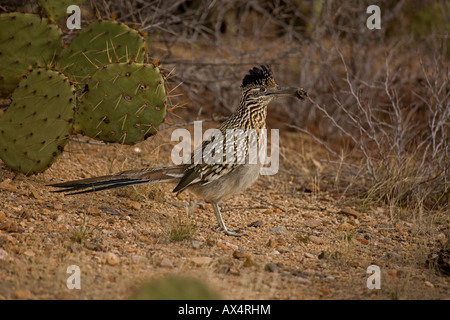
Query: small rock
{"x": 313, "y": 223}
{"x": 93, "y": 211}
{"x": 271, "y": 267}
{"x": 272, "y": 243}
{"x": 93, "y": 246}
{"x": 278, "y": 230}
{"x": 257, "y": 223}
{"x": 429, "y": 284}
{"x": 166, "y": 263}
{"x": 196, "y": 244}
{"x": 234, "y": 271}
{"x": 441, "y": 237}
{"x": 134, "y": 205}
{"x": 3, "y": 254}
{"x": 309, "y": 255}
{"x": 345, "y": 227}
{"x": 274, "y": 253}
{"x": 311, "y": 188}
{"x": 316, "y": 239}
{"x": 57, "y": 206}
{"x": 282, "y": 249}
{"x": 7, "y": 185}
{"x": 9, "y": 226}
{"x": 353, "y": 263}
{"x": 22, "y": 294}
{"x": 137, "y": 259}
{"x": 227, "y": 245}
{"x": 391, "y": 276}
{"x": 249, "y": 262}
{"x": 350, "y": 212}
{"x": 201, "y": 261}
{"x": 363, "y": 241}
{"x": 303, "y": 280}
{"x": 239, "y": 254}
{"x": 29, "y": 253}
{"x": 74, "y": 248}
{"x": 112, "y": 259}
{"x": 110, "y": 211}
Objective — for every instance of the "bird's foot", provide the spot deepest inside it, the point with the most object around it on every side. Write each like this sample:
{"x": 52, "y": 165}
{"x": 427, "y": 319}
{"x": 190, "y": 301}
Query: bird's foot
{"x": 230, "y": 232}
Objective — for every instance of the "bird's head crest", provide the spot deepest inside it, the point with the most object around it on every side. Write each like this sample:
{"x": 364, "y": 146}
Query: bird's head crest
{"x": 257, "y": 77}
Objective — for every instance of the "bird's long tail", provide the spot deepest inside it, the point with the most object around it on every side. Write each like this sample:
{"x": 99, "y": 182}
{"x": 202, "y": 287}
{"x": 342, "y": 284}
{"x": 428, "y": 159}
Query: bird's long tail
{"x": 122, "y": 179}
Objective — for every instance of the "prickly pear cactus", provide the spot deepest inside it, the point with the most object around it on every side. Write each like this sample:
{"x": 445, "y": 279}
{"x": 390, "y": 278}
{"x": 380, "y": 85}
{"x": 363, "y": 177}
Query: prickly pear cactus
{"x": 125, "y": 103}
{"x": 36, "y": 126}
{"x": 57, "y": 9}
{"x": 101, "y": 43}
{"x": 26, "y": 40}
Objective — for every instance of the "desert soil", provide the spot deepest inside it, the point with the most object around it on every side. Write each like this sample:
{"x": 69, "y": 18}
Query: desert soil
{"x": 302, "y": 243}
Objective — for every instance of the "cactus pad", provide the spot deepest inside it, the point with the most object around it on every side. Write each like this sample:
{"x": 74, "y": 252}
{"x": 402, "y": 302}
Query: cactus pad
{"x": 36, "y": 126}
{"x": 57, "y": 9}
{"x": 125, "y": 103}
{"x": 101, "y": 43}
{"x": 26, "y": 41}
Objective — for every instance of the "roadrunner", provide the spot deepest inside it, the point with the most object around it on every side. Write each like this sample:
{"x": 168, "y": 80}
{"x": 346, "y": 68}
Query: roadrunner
{"x": 210, "y": 181}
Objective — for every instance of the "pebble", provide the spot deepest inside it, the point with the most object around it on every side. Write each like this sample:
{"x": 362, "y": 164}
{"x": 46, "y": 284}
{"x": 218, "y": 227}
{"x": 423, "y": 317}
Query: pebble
{"x": 166, "y": 263}
{"x": 272, "y": 243}
{"x": 309, "y": 255}
{"x": 257, "y": 223}
{"x": 134, "y": 205}
{"x": 3, "y": 254}
{"x": 227, "y": 245}
{"x": 239, "y": 254}
{"x": 249, "y": 262}
{"x": 6, "y": 185}
{"x": 112, "y": 259}
{"x": 196, "y": 244}
{"x": 350, "y": 212}
{"x": 363, "y": 241}
{"x": 345, "y": 226}
{"x": 29, "y": 253}
{"x": 429, "y": 284}
{"x": 137, "y": 259}
{"x": 201, "y": 261}
{"x": 271, "y": 267}
{"x": 10, "y": 226}
{"x": 313, "y": 223}
{"x": 22, "y": 294}
{"x": 93, "y": 211}
{"x": 278, "y": 230}
{"x": 316, "y": 239}
{"x": 391, "y": 275}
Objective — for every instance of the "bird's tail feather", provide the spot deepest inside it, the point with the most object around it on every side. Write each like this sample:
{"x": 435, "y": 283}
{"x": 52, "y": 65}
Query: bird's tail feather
{"x": 122, "y": 179}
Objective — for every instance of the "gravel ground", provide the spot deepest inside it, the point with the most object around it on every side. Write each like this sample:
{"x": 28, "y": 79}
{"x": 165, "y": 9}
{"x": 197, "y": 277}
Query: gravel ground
{"x": 302, "y": 243}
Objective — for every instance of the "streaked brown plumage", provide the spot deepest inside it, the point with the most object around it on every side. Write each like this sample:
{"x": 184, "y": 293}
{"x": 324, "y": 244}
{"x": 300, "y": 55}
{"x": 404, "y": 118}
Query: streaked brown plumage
{"x": 211, "y": 182}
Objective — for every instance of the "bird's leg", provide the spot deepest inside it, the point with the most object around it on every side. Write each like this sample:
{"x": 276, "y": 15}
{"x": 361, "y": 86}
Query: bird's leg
{"x": 222, "y": 226}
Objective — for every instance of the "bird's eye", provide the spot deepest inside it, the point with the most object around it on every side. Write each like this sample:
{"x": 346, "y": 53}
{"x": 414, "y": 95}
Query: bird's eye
{"x": 262, "y": 89}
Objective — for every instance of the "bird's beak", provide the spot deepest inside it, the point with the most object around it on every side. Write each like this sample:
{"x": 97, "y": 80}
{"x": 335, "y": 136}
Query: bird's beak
{"x": 299, "y": 93}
